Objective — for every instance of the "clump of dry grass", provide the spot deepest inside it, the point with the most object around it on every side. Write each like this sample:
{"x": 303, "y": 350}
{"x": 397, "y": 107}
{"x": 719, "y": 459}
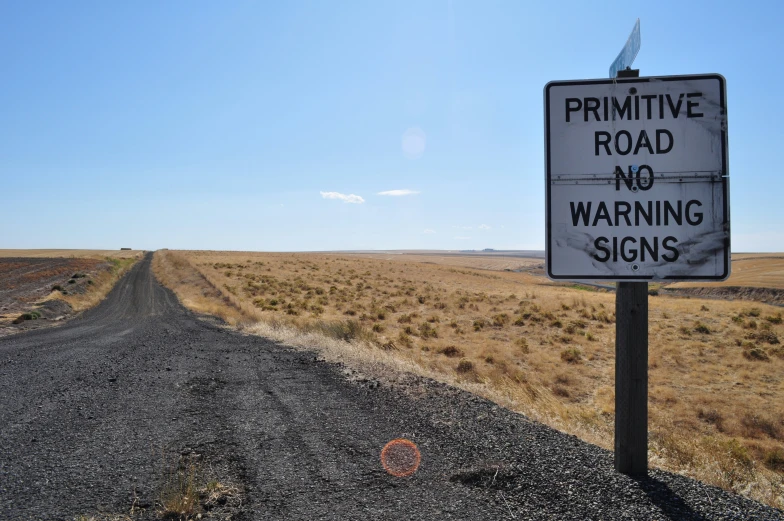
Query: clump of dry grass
{"x": 544, "y": 350}
{"x": 465, "y": 366}
{"x": 187, "y": 494}
{"x": 179, "y": 497}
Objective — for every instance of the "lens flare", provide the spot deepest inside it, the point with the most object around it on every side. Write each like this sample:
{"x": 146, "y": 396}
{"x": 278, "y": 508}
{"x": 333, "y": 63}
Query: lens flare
{"x": 400, "y": 457}
{"x": 413, "y": 143}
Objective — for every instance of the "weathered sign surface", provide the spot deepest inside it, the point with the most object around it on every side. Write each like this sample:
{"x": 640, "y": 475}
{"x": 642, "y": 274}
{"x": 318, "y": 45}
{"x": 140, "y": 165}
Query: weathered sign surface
{"x": 637, "y": 179}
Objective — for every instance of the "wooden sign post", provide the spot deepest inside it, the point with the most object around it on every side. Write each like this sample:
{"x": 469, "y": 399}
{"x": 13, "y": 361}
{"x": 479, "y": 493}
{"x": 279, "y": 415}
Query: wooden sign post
{"x": 631, "y": 369}
{"x": 631, "y": 377}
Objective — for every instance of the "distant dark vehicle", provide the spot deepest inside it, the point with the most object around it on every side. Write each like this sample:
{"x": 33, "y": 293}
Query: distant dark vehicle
{"x": 122, "y": 249}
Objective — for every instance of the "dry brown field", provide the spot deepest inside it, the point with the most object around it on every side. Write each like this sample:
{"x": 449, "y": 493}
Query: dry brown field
{"x": 489, "y": 262}
{"x": 716, "y": 367}
{"x": 752, "y": 270}
{"x": 77, "y": 254}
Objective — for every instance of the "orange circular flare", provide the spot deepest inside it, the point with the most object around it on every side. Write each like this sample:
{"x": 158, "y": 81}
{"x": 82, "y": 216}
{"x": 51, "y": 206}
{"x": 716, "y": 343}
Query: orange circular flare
{"x": 400, "y": 457}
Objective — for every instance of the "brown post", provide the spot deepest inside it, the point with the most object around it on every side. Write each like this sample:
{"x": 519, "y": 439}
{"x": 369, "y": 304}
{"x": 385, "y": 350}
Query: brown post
{"x": 631, "y": 377}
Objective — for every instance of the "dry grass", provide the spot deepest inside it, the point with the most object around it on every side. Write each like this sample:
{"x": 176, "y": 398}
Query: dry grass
{"x": 716, "y": 367}
{"x": 193, "y": 289}
{"x": 482, "y": 262}
{"x": 179, "y": 498}
{"x": 188, "y": 494}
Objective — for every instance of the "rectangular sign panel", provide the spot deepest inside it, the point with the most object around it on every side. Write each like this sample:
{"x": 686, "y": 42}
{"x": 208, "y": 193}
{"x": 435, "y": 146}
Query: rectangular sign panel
{"x": 628, "y": 53}
{"x": 636, "y": 179}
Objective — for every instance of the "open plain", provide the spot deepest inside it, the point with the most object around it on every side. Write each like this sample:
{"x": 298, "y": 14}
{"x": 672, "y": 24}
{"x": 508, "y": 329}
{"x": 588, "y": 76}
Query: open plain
{"x": 138, "y": 409}
{"x": 543, "y": 349}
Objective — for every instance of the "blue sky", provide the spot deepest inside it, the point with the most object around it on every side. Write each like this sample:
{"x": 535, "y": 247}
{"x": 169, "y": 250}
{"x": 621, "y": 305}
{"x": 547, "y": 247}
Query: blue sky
{"x": 233, "y": 125}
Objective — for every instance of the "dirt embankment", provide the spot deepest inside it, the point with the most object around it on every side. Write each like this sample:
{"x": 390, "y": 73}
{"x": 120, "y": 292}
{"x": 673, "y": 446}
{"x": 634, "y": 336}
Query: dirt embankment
{"x": 36, "y": 292}
{"x": 766, "y": 295}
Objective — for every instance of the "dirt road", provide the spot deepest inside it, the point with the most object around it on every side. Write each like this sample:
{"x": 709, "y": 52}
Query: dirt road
{"x": 92, "y": 411}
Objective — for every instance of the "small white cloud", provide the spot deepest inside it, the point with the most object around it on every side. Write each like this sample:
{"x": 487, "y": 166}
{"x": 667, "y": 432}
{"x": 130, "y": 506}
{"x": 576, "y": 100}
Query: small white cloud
{"x": 483, "y": 227}
{"x": 398, "y": 193}
{"x": 462, "y": 238}
{"x": 350, "y": 198}
{"x": 429, "y": 231}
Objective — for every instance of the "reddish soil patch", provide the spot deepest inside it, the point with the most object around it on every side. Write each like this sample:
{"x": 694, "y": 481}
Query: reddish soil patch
{"x": 25, "y": 281}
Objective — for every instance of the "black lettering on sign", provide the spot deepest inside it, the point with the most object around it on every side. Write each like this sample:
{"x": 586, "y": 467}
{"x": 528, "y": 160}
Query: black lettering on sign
{"x": 663, "y": 132}
{"x": 675, "y": 253}
{"x": 629, "y": 251}
{"x": 644, "y": 186}
{"x": 639, "y": 210}
{"x": 581, "y": 212}
{"x": 648, "y": 213}
{"x": 622, "y": 110}
{"x": 631, "y": 108}
{"x": 622, "y": 209}
{"x": 623, "y": 142}
{"x": 653, "y": 251}
{"x": 695, "y": 219}
{"x": 658, "y": 213}
{"x": 643, "y": 142}
{"x": 599, "y": 245}
{"x": 631, "y": 256}
{"x": 624, "y": 133}
{"x": 676, "y": 213}
{"x": 592, "y": 105}
{"x": 602, "y": 213}
{"x": 693, "y": 104}
{"x": 620, "y": 175}
{"x": 602, "y": 138}
{"x": 572, "y": 105}
{"x": 674, "y": 109}
{"x": 634, "y": 177}
{"x": 648, "y": 98}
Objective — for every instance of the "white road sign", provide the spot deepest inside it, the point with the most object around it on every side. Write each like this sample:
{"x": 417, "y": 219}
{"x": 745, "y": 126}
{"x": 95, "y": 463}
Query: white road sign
{"x": 637, "y": 179}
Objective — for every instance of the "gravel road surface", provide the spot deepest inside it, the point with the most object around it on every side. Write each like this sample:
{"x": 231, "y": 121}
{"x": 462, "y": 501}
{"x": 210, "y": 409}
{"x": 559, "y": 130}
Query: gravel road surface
{"x": 93, "y": 412}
